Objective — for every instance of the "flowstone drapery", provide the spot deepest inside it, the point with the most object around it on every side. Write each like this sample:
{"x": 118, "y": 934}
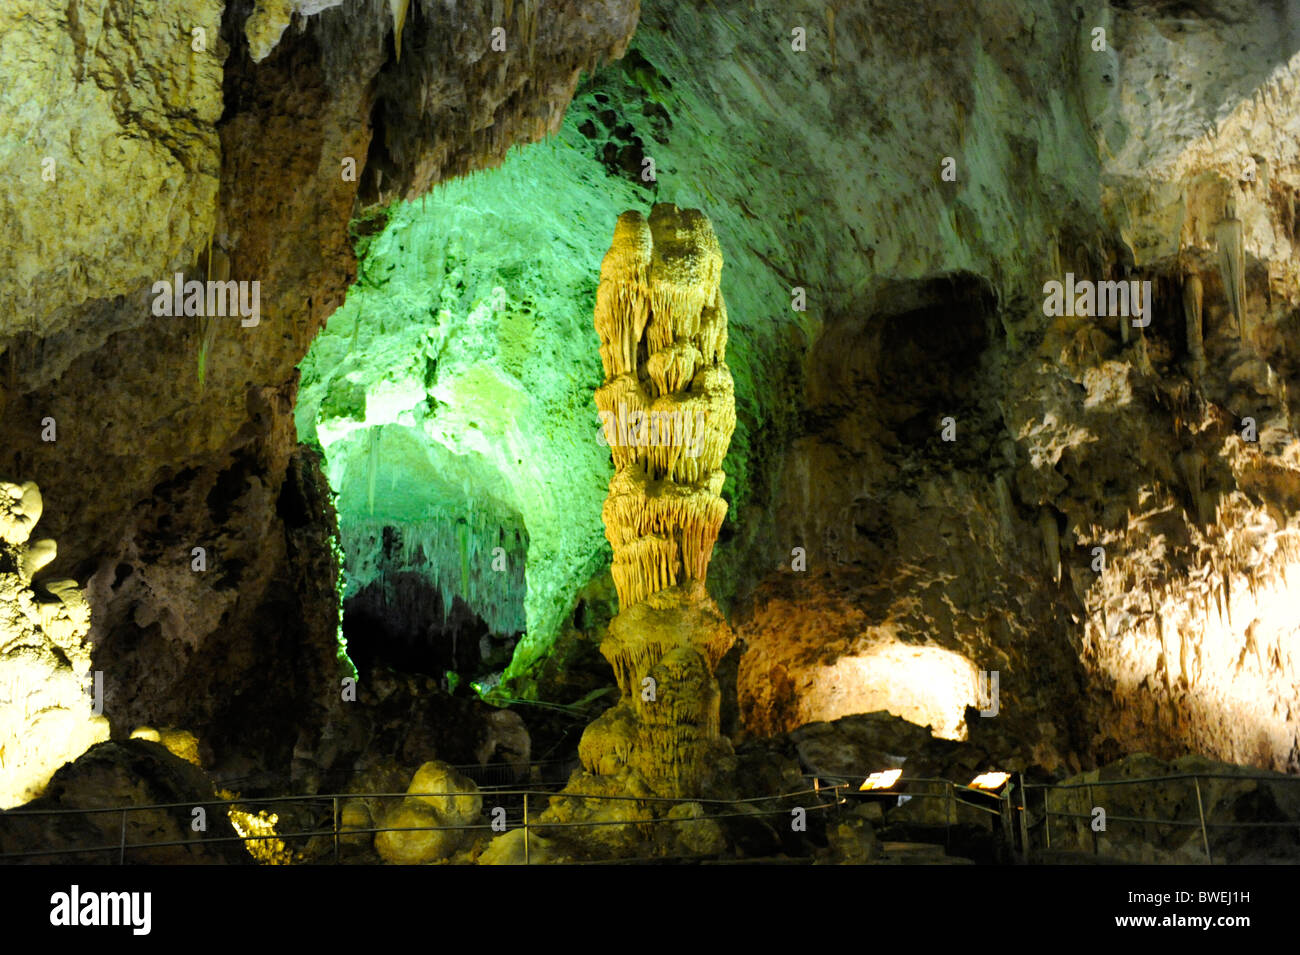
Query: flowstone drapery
{"x": 668, "y": 413}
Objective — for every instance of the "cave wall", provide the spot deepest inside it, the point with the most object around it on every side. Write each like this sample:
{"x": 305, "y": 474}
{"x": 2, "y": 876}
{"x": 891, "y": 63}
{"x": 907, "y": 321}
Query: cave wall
{"x": 175, "y": 433}
{"x": 1071, "y": 434}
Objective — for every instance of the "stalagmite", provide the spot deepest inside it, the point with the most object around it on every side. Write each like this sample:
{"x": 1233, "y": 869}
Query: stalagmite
{"x": 1192, "y": 296}
{"x": 1230, "y": 236}
{"x": 668, "y": 409}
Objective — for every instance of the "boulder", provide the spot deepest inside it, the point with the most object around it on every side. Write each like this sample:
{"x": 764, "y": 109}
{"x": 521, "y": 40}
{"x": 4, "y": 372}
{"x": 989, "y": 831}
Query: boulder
{"x": 135, "y": 772}
{"x": 508, "y": 849}
{"x": 428, "y": 824}
{"x": 438, "y": 780}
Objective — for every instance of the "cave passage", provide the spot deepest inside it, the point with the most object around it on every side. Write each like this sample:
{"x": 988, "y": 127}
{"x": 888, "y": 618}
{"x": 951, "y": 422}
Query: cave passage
{"x": 402, "y": 622}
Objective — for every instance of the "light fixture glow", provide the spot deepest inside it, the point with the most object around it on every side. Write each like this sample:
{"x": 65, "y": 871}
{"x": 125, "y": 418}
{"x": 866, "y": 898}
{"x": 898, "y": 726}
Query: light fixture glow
{"x": 881, "y": 780}
{"x": 991, "y": 782}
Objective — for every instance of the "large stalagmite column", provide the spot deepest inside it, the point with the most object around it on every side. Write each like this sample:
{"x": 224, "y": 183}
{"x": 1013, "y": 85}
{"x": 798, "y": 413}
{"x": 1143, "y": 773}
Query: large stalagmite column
{"x": 668, "y": 413}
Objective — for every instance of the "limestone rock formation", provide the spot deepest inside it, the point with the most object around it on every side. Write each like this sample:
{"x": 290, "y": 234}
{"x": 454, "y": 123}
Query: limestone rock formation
{"x": 125, "y": 105}
{"x": 667, "y": 404}
{"x": 1193, "y": 299}
{"x": 181, "y": 743}
{"x": 665, "y": 728}
{"x": 133, "y": 772}
{"x": 1232, "y": 262}
{"x": 437, "y": 797}
{"x": 668, "y": 416}
{"x": 46, "y": 702}
{"x": 1101, "y": 532}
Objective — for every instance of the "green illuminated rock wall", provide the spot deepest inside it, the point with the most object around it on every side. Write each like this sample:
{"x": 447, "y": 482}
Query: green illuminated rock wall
{"x": 456, "y": 381}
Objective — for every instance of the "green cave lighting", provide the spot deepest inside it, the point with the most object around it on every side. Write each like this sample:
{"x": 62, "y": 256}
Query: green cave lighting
{"x": 451, "y": 393}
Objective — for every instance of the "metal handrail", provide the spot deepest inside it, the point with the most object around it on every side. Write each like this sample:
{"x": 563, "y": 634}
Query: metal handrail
{"x": 949, "y": 791}
{"x": 1257, "y": 776}
{"x": 369, "y": 795}
{"x": 1201, "y": 822}
{"x": 1008, "y": 805}
{"x": 336, "y": 831}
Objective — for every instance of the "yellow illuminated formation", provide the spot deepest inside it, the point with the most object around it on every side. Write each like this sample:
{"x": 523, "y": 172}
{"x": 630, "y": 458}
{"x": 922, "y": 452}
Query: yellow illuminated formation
{"x": 257, "y": 829}
{"x": 667, "y": 404}
{"x": 668, "y": 411}
{"x": 48, "y": 712}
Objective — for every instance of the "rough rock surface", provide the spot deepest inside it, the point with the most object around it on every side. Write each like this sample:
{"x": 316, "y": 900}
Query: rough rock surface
{"x": 177, "y": 433}
{"x": 132, "y": 773}
{"x": 437, "y": 797}
{"x": 938, "y": 558}
{"x": 47, "y": 713}
{"x": 106, "y": 107}
{"x": 1225, "y": 798}
{"x": 1071, "y": 433}
{"x": 401, "y": 721}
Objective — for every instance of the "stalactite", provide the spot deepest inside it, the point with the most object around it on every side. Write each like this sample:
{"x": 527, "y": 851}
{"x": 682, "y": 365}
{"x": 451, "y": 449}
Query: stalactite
{"x": 1227, "y": 595}
{"x": 659, "y": 288}
{"x": 373, "y": 436}
{"x": 1192, "y": 465}
{"x": 454, "y": 551}
{"x": 398, "y": 10}
{"x": 1050, "y": 534}
{"x": 1230, "y": 236}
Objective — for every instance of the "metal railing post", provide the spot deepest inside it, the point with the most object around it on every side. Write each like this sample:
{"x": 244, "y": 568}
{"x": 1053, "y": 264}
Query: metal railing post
{"x": 1024, "y": 820}
{"x": 1047, "y": 819}
{"x": 1004, "y": 817}
{"x": 121, "y": 858}
{"x": 526, "y": 829}
{"x": 949, "y": 817}
{"x": 336, "y": 830}
{"x": 1200, "y": 811}
{"x": 1096, "y": 849}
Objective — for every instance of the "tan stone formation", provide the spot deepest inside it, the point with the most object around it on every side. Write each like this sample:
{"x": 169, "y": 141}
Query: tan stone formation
{"x": 1232, "y": 263}
{"x": 1193, "y": 296}
{"x": 180, "y": 743}
{"x": 668, "y": 402}
{"x": 669, "y": 413}
{"x": 428, "y": 825}
{"x": 665, "y": 727}
{"x": 45, "y": 711}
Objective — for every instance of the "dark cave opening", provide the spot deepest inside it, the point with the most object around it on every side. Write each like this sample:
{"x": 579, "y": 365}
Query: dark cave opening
{"x": 900, "y": 374}
{"x": 930, "y": 356}
{"x": 401, "y": 621}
